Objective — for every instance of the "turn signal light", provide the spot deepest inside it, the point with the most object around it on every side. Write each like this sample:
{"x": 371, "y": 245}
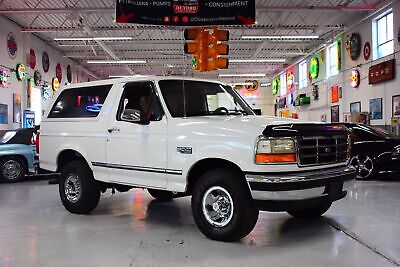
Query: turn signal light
{"x": 275, "y": 158}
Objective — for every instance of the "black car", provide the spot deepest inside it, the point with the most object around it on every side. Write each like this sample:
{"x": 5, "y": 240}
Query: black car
{"x": 373, "y": 151}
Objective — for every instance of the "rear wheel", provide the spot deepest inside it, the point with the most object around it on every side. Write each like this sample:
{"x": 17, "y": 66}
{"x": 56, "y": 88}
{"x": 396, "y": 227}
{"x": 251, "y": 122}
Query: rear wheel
{"x": 12, "y": 169}
{"x": 79, "y": 192}
{"x": 222, "y": 206}
{"x": 315, "y": 212}
{"x": 364, "y": 166}
{"x": 161, "y": 195}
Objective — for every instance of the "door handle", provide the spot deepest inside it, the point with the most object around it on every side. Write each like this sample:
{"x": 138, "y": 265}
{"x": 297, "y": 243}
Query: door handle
{"x": 111, "y": 130}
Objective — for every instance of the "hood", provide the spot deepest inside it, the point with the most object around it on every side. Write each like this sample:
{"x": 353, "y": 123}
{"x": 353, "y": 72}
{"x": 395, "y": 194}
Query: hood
{"x": 227, "y": 126}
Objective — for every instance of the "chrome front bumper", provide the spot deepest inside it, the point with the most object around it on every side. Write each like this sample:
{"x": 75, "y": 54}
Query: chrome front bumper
{"x": 285, "y": 188}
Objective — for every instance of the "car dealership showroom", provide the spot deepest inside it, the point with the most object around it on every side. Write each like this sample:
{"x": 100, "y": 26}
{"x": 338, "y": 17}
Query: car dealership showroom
{"x": 199, "y": 133}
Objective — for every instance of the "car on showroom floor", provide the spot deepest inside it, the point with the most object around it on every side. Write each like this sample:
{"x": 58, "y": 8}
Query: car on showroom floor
{"x": 374, "y": 151}
{"x": 17, "y": 154}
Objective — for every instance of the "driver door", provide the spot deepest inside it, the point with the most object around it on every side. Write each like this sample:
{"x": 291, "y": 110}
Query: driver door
{"x": 136, "y": 146}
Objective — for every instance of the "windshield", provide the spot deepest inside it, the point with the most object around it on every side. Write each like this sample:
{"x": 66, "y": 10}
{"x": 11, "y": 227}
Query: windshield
{"x": 380, "y": 132}
{"x": 198, "y": 98}
{"x": 6, "y": 136}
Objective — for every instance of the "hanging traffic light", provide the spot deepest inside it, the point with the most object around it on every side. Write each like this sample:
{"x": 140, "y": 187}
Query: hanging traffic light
{"x": 206, "y": 48}
{"x": 197, "y": 47}
{"x": 216, "y": 49}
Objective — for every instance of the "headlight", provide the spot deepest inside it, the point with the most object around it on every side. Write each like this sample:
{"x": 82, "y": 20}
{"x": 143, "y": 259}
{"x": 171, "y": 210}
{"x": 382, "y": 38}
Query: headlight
{"x": 276, "y": 150}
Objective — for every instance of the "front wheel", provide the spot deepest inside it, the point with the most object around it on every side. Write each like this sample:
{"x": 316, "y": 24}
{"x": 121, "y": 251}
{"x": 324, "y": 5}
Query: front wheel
{"x": 315, "y": 212}
{"x": 222, "y": 206}
{"x": 79, "y": 192}
{"x": 364, "y": 166}
{"x": 12, "y": 169}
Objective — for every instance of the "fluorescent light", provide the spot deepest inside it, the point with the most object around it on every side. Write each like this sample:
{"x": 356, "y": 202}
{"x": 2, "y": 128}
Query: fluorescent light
{"x": 121, "y": 38}
{"x": 265, "y": 84}
{"x": 243, "y": 75}
{"x": 116, "y": 62}
{"x": 239, "y": 84}
{"x": 269, "y": 60}
{"x": 278, "y": 37}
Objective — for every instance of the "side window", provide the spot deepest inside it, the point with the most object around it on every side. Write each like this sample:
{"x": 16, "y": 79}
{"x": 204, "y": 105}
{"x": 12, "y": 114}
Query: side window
{"x": 84, "y": 102}
{"x": 364, "y": 134}
{"x": 139, "y": 102}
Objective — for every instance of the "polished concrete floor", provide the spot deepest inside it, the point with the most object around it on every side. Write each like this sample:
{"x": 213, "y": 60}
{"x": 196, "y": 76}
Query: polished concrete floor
{"x": 131, "y": 229}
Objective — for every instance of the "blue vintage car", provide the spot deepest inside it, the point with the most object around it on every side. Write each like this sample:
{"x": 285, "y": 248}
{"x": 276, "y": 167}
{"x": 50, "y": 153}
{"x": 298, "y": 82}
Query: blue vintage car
{"x": 17, "y": 154}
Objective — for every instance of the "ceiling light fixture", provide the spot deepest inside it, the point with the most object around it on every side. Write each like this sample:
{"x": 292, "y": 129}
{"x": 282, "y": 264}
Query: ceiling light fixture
{"x": 243, "y": 75}
{"x": 269, "y": 60}
{"x": 279, "y": 37}
{"x": 116, "y": 62}
{"x": 122, "y": 38}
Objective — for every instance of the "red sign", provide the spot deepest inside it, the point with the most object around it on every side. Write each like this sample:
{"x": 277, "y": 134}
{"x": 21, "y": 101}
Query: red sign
{"x": 32, "y": 59}
{"x": 382, "y": 72}
{"x": 59, "y": 72}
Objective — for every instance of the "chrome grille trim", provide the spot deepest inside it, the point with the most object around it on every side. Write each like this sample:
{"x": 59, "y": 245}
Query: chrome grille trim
{"x": 322, "y": 150}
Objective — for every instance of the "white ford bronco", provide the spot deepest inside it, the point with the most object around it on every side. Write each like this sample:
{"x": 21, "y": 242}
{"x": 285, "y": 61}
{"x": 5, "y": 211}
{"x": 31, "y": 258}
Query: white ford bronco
{"x": 181, "y": 137}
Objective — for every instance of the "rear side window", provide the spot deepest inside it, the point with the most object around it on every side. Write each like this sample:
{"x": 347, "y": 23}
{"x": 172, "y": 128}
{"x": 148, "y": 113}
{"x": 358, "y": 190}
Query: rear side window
{"x": 84, "y": 102}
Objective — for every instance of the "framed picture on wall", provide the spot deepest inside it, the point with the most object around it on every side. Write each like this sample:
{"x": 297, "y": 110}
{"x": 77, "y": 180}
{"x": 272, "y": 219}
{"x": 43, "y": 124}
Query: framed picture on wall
{"x": 396, "y": 106}
{"x": 355, "y": 107}
{"x": 375, "y": 108}
{"x": 3, "y": 114}
{"x": 335, "y": 113}
{"x": 17, "y": 108}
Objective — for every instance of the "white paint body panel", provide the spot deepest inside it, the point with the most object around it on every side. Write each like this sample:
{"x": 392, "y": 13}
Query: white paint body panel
{"x": 230, "y": 138}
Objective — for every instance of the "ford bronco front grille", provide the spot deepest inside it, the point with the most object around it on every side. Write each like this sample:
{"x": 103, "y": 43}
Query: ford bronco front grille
{"x": 317, "y": 150}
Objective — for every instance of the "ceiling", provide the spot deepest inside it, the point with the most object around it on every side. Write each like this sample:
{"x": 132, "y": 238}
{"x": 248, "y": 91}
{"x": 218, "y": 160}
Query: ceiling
{"x": 162, "y": 47}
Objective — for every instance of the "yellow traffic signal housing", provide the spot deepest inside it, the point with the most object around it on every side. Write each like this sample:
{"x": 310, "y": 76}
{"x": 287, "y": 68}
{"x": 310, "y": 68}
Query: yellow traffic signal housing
{"x": 206, "y": 48}
{"x": 198, "y": 47}
{"x": 216, "y": 49}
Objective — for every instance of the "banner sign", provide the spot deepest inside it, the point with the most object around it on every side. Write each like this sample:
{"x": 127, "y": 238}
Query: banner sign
{"x": 186, "y": 12}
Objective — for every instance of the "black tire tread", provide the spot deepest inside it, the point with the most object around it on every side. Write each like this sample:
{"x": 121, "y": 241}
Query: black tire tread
{"x": 23, "y": 164}
{"x": 90, "y": 195}
{"x": 243, "y": 223}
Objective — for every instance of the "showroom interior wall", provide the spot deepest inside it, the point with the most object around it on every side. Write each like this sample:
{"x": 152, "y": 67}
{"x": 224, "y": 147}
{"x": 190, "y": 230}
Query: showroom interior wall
{"x": 259, "y": 99}
{"x": 26, "y": 42}
{"x": 318, "y": 109}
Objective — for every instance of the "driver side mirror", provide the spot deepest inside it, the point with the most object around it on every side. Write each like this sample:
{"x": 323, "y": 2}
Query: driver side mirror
{"x": 134, "y": 116}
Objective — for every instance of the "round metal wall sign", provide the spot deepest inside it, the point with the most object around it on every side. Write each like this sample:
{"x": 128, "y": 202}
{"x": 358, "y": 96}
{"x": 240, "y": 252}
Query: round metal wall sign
{"x": 59, "y": 72}
{"x": 37, "y": 78}
{"x": 69, "y": 74}
{"x": 355, "y": 46}
{"x": 45, "y": 62}
{"x": 12, "y": 46}
{"x": 32, "y": 59}
{"x": 367, "y": 50}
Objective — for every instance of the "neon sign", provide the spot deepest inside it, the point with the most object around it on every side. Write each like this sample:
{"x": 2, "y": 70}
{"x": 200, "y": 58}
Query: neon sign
{"x": 4, "y": 78}
{"x": 96, "y": 108}
{"x": 290, "y": 79}
{"x": 275, "y": 86}
{"x": 314, "y": 68}
{"x": 355, "y": 78}
{"x": 21, "y": 72}
{"x": 55, "y": 84}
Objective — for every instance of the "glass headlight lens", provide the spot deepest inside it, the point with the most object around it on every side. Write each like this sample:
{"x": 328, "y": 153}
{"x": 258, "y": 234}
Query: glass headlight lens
{"x": 276, "y": 151}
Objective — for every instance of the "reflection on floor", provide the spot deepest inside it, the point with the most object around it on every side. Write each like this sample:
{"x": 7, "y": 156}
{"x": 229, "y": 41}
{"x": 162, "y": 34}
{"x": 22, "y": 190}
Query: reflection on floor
{"x": 131, "y": 229}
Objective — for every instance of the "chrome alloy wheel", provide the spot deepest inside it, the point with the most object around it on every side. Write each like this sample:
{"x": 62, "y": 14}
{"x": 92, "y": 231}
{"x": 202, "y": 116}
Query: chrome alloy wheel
{"x": 11, "y": 169}
{"x": 364, "y": 166}
{"x": 218, "y": 206}
{"x": 72, "y": 188}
